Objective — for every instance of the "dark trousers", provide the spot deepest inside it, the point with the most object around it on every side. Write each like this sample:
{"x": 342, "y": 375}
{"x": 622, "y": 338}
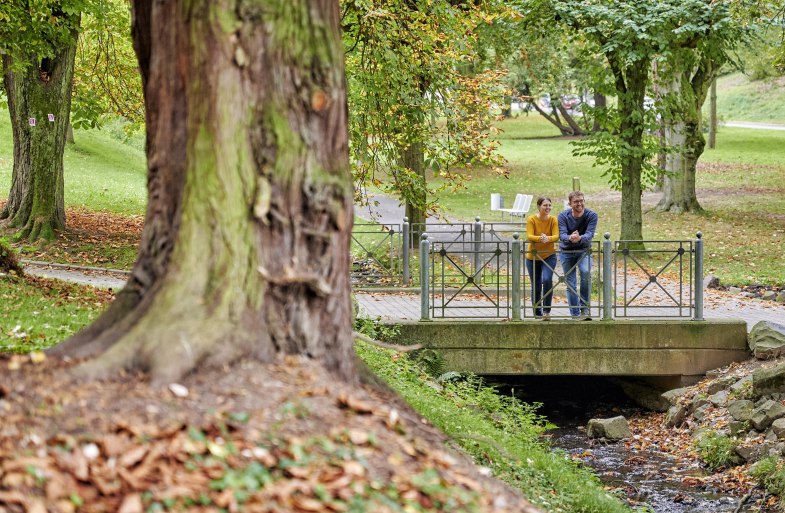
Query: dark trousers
{"x": 541, "y": 276}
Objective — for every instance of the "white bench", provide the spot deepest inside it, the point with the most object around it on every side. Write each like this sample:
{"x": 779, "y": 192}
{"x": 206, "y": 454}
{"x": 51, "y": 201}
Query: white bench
{"x": 520, "y": 207}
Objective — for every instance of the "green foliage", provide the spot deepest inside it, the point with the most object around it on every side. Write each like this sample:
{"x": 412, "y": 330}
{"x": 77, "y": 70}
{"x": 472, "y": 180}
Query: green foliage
{"x": 430, "y": 361}
{"x": 39, "y": 29}
{"x": 770, "y": 474}
{"x": 717, "y": 451}
{"x": 414, "y": 102}
{"x": 107, "y": 79}
{"x": 498, "y": 431}
{"x": 375, "y": 329}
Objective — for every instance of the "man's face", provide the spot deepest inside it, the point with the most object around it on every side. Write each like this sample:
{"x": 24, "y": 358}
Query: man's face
{"x": 577, "y": 205}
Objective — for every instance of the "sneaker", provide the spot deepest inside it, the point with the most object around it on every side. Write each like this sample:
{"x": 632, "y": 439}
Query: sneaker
{"x": 546, "y": 317}
{"x": 587, "y": 318}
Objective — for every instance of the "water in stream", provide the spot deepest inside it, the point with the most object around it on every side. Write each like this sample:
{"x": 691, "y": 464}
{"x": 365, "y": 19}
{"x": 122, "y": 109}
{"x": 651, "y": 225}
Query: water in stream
{"x": 649, "y": 479}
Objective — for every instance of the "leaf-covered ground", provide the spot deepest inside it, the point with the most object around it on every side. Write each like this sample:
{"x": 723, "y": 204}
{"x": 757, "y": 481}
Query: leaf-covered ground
{"x": 266, "y": 438}
{"x": 95, "y": 239}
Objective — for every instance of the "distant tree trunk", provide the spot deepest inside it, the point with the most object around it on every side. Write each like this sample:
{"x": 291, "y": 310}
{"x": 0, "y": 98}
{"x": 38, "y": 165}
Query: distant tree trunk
{"x": 600, "y": 102}
{"x": 35, "y": 202}
{"x": 245, "y": 248}
{"x": 69, "y": 134}
{"x": 566, "y": 128}
{"x": 413, "y": 159}
{"x": 684, "y": 134}
{"x": 631, "y": 134}
{"x": 713, "y": 115}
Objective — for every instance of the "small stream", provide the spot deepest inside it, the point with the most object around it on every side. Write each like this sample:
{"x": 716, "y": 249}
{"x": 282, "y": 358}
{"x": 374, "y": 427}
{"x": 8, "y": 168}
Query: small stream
{"x": 651, "y": 481}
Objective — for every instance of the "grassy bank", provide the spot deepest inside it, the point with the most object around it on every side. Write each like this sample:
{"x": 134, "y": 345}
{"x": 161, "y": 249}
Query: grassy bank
{"x": 741, "y": 99}
{"x": 498, "y": 432}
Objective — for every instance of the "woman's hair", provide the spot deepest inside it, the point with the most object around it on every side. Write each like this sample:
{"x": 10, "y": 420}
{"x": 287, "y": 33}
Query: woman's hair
{"x": 541, "y": 199}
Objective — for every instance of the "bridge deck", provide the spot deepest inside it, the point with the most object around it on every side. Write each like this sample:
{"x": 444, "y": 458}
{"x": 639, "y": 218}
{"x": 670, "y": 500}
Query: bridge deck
{"x": 402, "y": 306}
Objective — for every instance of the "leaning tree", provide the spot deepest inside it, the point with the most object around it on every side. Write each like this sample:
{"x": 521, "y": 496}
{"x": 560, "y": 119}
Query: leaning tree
{"x": 244, "y": 252}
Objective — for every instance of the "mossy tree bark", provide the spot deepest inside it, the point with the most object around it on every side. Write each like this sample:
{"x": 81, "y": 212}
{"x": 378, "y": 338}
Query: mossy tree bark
{"x": 245, "y": 246}
{"x": 41, "y": 88}
{"x": 683, "y": 129}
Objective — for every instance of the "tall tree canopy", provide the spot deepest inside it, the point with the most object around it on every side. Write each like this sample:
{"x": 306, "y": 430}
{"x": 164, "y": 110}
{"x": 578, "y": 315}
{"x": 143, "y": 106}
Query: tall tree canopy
{"x": 106, "y": 79}
{"x": 245, "y": 248}
{"x": 416, "y": 102}
{"x": 629, "y": 35}
{"x": 686, "y": 69}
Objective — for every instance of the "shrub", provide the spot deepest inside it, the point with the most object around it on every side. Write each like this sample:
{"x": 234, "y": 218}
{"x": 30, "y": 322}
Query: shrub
{"x": 770, "y": 474}
{"x": 717, "y": 451}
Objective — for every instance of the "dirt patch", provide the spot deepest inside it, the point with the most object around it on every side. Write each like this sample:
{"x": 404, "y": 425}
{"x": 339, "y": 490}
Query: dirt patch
{"x": 280, "y": 437}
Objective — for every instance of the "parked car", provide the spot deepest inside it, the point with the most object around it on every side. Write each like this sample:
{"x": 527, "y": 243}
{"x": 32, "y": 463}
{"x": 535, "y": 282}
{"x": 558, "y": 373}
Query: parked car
{"x": 570, "y": 101}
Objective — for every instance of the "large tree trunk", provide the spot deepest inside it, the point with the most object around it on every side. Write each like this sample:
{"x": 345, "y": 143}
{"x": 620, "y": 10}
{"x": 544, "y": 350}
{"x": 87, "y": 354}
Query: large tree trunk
{"x": 41, "y": 88}
{"x": 684, "y": 134}
{"x": 631, "y": 134}
{"x": 245, "y": 246}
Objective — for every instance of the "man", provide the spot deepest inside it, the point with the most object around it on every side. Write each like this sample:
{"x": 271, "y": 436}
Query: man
{"x": 576, "y": 230}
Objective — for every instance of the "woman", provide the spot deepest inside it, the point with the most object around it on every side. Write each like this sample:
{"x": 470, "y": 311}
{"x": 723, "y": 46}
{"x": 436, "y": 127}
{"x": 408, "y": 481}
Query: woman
{"x": 542, "y": 230}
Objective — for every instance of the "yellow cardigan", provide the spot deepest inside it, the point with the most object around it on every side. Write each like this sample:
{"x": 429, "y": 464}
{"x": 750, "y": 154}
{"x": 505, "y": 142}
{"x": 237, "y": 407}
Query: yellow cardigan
{"x": 536, "y": 227}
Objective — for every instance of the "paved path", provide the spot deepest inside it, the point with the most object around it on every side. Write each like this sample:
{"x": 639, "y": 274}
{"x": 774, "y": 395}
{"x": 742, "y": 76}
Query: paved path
{"x": 750, "y": 124}
{"x": 718, "y": 305}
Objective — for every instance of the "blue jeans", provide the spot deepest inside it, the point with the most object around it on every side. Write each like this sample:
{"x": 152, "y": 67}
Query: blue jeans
{"x": 582, "y": 261}
{"x": 541, "y": 275}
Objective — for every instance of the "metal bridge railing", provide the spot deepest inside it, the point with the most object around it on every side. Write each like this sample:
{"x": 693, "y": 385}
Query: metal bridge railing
{"x": 467, "y": 280}
{"x": 377, "y": 254}
{"x": 477, "y": 270}
{"x": 640, "y": 278}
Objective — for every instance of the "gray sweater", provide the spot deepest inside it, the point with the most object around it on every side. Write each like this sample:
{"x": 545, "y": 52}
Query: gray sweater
{"x": 586, "y": 225}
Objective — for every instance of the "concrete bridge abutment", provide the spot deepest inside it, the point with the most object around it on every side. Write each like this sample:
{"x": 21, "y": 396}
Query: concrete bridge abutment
{"x": 673, "y": 351}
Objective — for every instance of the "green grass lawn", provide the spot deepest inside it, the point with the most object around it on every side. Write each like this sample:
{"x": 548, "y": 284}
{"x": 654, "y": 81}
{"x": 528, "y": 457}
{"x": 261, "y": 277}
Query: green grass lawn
{"x": 100, "y": 172}
{"x": 38, "y": 313}
{"x": 739, "y": 99}
{"x": 741, "y": 184}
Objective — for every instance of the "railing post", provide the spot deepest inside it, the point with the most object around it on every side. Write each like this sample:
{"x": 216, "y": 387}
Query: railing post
{"x": 477, "y": 244}
{"x": 576, "y": 183}
{"x": 516, "y": 277}
{"x": 405, "y": 250}
{"x": 425, "y": 250}
{"x": 698, "y": 277}
{"x": 607, "y": 277}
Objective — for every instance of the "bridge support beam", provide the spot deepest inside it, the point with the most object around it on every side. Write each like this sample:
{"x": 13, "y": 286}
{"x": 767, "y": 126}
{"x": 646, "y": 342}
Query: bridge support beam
{"x": 609, "y": 348}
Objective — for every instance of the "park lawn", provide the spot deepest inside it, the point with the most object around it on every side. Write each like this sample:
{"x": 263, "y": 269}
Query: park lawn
{"x": 740, "y": 184}
{"x": 741, "y": 99}
{"x": 100, "y": 172}
{"x": 38, "y": 313}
